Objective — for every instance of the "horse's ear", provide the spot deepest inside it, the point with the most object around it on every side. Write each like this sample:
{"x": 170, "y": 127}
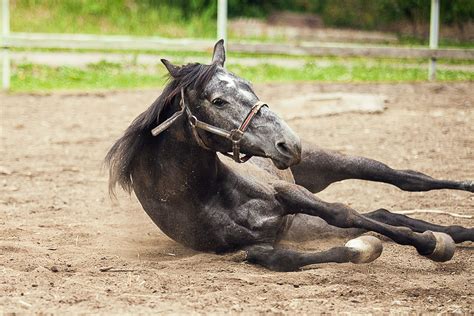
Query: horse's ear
{"x": 172, "y": 69}
{"x": 218, "y": 57}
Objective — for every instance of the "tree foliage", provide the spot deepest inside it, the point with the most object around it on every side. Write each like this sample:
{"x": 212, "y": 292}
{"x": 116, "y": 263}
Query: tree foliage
{"x": 367, "y": 14}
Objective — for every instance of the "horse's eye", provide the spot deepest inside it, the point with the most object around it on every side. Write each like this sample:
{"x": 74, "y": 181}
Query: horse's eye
{"x": 219, "y": 102}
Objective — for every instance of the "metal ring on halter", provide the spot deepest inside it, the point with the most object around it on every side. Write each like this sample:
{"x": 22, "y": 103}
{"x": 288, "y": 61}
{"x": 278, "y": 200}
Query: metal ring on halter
{"x": 193, "y": 121}
{"x": 236, "y": 135}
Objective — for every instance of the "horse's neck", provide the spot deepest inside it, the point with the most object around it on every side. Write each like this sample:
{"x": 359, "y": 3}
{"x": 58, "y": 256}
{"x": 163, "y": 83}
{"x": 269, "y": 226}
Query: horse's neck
{"x": 182, "y": 163}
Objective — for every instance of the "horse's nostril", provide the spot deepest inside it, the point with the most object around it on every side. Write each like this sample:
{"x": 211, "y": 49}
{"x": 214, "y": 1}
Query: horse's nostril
{"x": 283, "y": 148}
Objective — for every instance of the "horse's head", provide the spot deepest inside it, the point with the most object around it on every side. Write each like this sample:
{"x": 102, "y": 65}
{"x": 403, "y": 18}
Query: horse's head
{"x": 224, "y": 113}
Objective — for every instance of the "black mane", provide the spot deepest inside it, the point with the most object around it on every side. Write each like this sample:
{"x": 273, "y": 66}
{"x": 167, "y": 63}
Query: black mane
{"x": 120, "y": 158}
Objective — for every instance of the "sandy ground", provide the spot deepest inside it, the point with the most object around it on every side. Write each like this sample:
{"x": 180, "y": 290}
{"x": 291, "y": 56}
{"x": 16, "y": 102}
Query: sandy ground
{"x": 58, "y": 227}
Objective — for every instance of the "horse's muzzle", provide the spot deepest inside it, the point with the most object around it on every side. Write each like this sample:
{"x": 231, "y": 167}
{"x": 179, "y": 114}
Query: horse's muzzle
{"x": 288, "y": 153}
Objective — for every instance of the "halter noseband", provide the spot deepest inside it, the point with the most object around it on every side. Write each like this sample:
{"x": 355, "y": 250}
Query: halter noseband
{"x": 235, "y": 135}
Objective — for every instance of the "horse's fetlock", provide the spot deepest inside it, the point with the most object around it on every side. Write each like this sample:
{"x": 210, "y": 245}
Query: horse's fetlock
{"x": 468, "y": 186}
{"x": 454, "y": 229}
{"x": 428, "y": 244}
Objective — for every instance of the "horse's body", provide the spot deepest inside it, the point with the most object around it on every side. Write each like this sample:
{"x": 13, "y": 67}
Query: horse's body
{"x": 210, "y": 203}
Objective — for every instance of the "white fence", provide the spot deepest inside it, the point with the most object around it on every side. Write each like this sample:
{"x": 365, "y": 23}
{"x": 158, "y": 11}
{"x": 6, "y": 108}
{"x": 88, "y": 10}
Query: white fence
{"x": 83, "y": 41}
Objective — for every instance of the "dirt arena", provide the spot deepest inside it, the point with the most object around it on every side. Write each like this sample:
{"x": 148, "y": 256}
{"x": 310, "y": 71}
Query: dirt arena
{"x": 59, "y": 229}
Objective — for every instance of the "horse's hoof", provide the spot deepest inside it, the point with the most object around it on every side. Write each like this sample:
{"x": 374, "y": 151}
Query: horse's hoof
{"x": 368, "y": 248}
{"x": 444, "y": 249}
{"x": 238, "y": 256}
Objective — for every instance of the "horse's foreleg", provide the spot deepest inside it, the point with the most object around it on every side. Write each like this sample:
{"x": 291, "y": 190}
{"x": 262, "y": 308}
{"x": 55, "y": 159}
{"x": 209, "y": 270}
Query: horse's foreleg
{"x": 458, "y": 233}
{"x": 360, "y": 250}
{"x": 319, "y": 168}
{"x": 296, "y": 199}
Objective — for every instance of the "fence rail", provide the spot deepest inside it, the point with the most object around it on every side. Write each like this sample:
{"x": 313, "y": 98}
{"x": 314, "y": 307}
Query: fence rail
{"x": 110, "y": 42}
{"x": 103, "y": 42}
{"x": 344, "y": 50}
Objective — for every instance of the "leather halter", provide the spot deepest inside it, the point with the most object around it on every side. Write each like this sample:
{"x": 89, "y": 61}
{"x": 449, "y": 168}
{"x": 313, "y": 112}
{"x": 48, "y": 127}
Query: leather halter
{"x": 235, "y": 135}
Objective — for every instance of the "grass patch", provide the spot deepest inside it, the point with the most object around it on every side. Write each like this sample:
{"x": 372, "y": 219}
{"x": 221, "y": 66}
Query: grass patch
{"x": 110, "y": 17}
{"x": 105, "y": 75}
{"x": 173, "y": 19}
{"x": 443, "y": 42}
{"x": 31, "y": 77}
{"x": 343, "y": 73}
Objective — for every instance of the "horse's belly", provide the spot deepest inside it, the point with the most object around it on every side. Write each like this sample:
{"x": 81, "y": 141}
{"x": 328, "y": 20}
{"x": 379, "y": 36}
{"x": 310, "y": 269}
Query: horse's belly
{"x": 183, "y": 228}
{"x": 242, "y": 212}
{"x": 216, "y": 231}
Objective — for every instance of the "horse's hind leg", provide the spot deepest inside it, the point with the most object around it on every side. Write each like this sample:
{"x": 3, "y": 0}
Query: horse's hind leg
{"x": 319, "y": 168}
{"x": 296, "y": 199}
{"x": 360, "y": 250}
{"x": 458, "y": 233}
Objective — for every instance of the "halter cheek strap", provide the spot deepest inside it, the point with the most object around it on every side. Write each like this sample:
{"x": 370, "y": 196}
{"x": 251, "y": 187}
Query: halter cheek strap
{"x": 235, "y": 135}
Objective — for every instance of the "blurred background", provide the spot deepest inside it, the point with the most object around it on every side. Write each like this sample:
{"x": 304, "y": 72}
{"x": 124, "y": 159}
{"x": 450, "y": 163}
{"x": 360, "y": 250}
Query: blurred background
{"x": 303, "y": 40}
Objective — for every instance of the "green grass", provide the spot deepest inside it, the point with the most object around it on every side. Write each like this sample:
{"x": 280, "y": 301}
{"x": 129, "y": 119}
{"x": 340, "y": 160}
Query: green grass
{"x": 104, "y": 75}
{"x": 125, "y": 17}
{"x": 133, "y": 17}
{"x": 443, "y": 42}
{"x": 30, "y": 77}
{"x": 341, "y": 73}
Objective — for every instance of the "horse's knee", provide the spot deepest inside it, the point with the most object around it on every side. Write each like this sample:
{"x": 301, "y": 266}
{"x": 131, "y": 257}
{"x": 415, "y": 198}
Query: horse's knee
{"x": 379, "y": 215}
{"x": 341, "y": 216}
{"x": 293, "y": 196}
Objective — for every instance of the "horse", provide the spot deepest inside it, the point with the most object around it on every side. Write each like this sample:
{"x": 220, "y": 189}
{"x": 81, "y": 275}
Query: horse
{"x": 218, "y": 171}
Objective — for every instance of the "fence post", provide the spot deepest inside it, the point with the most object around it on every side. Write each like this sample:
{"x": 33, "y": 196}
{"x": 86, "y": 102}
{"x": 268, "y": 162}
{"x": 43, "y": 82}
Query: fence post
{"x": 222, "y": 20}
{"x": 3, "y": 44}
{"x": 434, "y": 35}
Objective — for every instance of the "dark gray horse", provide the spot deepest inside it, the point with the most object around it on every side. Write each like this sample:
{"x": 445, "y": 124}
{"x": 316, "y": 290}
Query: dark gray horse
{"x": 169, "y": 157}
